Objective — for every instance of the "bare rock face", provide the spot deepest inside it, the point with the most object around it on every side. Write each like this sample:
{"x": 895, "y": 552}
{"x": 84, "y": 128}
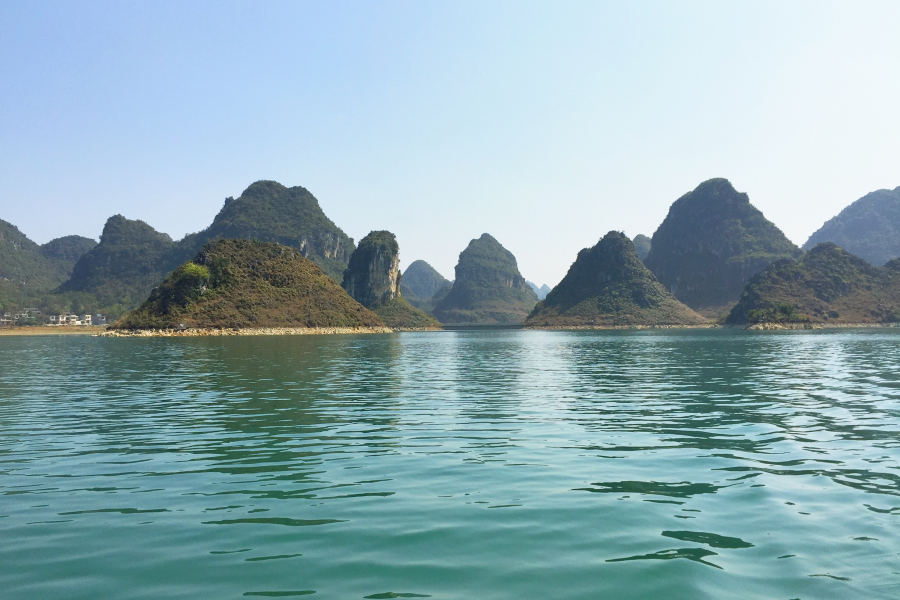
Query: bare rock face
{"x": 373, "y": 276}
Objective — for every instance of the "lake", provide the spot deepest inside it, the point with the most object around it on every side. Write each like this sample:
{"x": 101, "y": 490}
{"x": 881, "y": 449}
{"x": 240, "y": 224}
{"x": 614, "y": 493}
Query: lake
{"x": 451, "y": 465}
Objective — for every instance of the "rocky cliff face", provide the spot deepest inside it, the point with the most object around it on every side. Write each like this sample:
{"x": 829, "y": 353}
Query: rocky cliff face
{"x": 712, "y": 241}
{"x": 373, "y": 280}
{"x": 373, "y": 275}
{"x": 869, "y": 228}
{"x": 608, "y": 285}
{"x": 488, "y": 290}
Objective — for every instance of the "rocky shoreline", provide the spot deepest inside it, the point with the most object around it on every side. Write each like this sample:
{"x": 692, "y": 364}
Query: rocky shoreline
{"x": 206, "y": 332}
{"x": 619, "y": 327}
{"x": 754, "y": 327}
{"x": 795, "y": 326}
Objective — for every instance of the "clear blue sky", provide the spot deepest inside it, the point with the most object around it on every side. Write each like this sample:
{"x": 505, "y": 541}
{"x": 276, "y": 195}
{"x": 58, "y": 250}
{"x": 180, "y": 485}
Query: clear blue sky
{"x": 545, "y": 124}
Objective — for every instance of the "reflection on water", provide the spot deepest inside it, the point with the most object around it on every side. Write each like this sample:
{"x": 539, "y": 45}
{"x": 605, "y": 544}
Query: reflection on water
{"x": 345, "y": 466}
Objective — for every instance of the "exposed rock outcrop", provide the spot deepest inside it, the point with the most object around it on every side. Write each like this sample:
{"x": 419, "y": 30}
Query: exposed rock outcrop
{"x": 712, "y": 241}
{"x": 869, "y": 228}
{"x": 609, "y": 286}
{"x": 488, "y": 290}
{"x": 270, "y": 212}
{"x": 373, "y": 280}
{"x": 373, "y": 275}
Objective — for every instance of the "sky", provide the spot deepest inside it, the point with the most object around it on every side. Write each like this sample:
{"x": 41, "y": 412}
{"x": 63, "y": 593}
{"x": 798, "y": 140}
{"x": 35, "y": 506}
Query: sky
{"x": 545, "y": 124}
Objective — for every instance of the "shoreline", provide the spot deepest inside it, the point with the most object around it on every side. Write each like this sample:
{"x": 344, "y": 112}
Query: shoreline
{"x": 94, "y": 331}
{"x": 754, "y": 327}
{"x": 620, "y": 327}
{"x": 244, "y": 331}
{"x": 91, "y": 330}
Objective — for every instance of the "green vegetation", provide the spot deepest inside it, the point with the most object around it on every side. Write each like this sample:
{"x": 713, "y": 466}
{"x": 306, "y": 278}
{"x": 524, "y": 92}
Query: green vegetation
{"x": 827, "y": 285}
{"x": 712, "y": 241}
{"x": 270, "y": 212}
{"x": 608, "y": 285}
{"x": 400, "y": 314}
{"x": 423, "y": 286}
{"x": 489, "y": 290}
{"x": 247, "y": 283}
{"x": 67, "y": 249}
{"x": 29, "y": 272}
{"x": 120, "y": 271}
{"x": 869, "y": 228}
{"x": 642, "y": 246}
{"x": 132, "y": 257}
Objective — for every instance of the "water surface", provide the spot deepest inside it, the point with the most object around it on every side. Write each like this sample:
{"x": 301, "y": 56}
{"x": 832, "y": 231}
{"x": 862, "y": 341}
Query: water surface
{"x": 506, "y": 464}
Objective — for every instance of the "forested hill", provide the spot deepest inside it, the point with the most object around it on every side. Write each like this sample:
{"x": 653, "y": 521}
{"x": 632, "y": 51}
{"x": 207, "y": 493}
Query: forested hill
{"x": 488, "y": 290}
{"x": 608, "y": 285}
{"x": 827, "y": 285}
{"x": 246, "y": 284}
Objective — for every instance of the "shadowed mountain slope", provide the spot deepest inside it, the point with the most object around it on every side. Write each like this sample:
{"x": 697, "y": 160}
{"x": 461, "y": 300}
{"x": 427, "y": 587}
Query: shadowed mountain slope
{"x": 270, "y": 212}
{"x": 130, "y": 259}
{"x": 422, "y": 280}
{"x": 711, "y": 242}
{"x": 641, "y": 245}
{"x": 608, "y": 285}
{"x": 29, "y": 271}
{"x": 869, "y": 228}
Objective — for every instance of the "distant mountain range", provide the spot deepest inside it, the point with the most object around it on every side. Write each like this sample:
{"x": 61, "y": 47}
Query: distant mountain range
{"x": 423, "y": 286}
{"x": 710, "y": 245}
{"x": 132, "y": 257}
{"x": 29, "y": 271}
{"x": 541, "y": 292}
{"x": 641, "y": 246}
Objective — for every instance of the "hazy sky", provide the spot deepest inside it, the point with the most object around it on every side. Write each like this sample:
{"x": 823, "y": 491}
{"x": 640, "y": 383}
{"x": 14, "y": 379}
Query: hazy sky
{"x": 545, "y": 124}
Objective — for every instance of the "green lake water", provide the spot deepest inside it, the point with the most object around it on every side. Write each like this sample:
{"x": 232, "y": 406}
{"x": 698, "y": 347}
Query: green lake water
{"x": 452, "y": 465}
